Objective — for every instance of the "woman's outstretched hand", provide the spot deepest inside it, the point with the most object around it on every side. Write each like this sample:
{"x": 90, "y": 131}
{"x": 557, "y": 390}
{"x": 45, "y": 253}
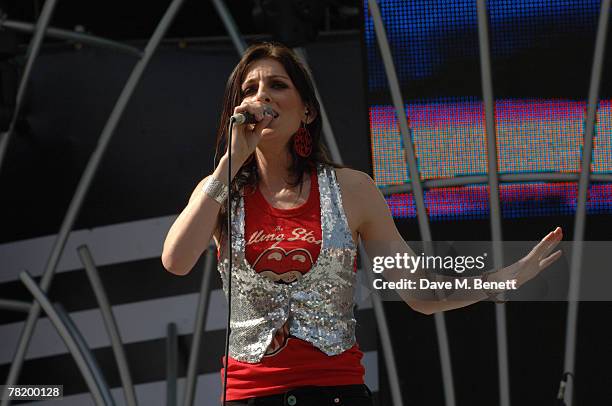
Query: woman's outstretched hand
{"x": 533, "y": 263}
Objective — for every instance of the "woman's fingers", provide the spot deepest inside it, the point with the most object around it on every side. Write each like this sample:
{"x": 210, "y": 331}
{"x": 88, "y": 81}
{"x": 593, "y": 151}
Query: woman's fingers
{"x": 255, "y": 108}
{"x": 552, "y": 241}
{"x": 549, "y": 260}
{"x": 540, "y": 247}
{"x": 547, "y": 244}
{"x": 247, "y": 136}
{"x": 263, "y": 123}
{"x": 548, "y": 247}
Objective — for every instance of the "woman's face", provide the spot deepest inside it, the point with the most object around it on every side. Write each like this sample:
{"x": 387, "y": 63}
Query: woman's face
{"x": 266, "y": 81}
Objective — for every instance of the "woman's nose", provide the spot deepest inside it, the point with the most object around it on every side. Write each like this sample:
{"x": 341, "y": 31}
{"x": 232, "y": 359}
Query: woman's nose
{"x": 263, "y": 98}
{"x": 263, "y": 95}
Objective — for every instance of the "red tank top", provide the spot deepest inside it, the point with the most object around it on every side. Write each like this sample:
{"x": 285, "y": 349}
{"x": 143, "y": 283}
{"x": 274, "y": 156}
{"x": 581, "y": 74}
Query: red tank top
{"x": 283, "y": 244}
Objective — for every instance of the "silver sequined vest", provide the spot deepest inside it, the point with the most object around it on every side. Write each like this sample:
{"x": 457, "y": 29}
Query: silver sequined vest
{"x": 318, "y": 306}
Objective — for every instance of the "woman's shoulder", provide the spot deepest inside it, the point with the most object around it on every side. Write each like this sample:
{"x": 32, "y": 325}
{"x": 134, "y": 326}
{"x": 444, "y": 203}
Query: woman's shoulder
{"x": 352, "y": 178}
{"x": 358, "y": 191}
{"x": 357, "y": 188}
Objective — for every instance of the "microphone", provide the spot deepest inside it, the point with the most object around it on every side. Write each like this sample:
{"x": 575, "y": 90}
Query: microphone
{"x": 248, "y": 118}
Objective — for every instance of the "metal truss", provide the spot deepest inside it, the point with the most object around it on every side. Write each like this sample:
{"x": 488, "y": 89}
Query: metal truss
{"x": 92, "y": 165}
{"x": 493, "y": 179}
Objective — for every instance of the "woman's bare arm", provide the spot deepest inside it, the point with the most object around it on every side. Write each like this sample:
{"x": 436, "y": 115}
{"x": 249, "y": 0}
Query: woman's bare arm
{"x": 381, "y": 238}
{"x": 192, "y": 230}
{"x": 376, "y": 227}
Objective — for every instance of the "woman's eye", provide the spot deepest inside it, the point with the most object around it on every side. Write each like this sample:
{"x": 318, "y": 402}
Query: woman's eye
{"x": 279, "y": 85}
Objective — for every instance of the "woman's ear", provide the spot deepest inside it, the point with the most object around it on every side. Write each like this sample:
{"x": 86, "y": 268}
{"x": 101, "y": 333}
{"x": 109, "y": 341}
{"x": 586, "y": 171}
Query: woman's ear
{"x": 312, "y": 115}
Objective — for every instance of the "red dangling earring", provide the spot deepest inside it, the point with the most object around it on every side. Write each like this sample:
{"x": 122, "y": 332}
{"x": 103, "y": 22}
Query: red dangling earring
{"x": 302, "y": 142}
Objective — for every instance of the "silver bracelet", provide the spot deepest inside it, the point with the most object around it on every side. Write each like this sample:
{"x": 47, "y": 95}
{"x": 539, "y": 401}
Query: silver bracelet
{"x": 215, "y": 189}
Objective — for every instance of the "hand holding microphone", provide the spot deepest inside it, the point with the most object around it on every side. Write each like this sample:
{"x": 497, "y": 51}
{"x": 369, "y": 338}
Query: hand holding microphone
{"x": 250, "y": 120}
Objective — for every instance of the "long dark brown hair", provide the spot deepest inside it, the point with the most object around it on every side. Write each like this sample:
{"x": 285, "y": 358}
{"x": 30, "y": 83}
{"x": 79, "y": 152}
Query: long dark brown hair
{"x": 301, "y": 78}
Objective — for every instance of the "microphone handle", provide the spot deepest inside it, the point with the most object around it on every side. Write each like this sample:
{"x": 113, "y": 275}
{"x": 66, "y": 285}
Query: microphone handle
{"x": 244, "y": 118}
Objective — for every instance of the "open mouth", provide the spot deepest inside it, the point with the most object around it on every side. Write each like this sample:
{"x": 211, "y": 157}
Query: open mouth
{"x": 268, "y": 110}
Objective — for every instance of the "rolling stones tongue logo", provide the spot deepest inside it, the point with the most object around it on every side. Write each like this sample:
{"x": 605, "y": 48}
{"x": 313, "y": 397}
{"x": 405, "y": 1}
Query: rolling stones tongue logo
{"x": 282, "y": 265}
{"x": 270, "y": 263}
{"x": 274, "y": 260}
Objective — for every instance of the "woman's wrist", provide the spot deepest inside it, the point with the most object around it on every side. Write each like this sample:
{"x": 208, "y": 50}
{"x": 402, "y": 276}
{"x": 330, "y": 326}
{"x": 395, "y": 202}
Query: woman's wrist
{"x": 495, "y": 295}
{"x": 237, "y": 162}
{"x": 222, "y": 168}
{"x": 216, "y": 189}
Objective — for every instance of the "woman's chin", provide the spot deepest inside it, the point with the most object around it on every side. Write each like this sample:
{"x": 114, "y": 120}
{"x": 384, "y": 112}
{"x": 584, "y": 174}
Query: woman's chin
{"x": 271, "y": 136}
{"x": 268, "y": 132}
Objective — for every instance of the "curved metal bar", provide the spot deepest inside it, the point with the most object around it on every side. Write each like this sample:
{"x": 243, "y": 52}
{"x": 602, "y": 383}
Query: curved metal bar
{"x": 494, "y": 206}
{"x": 198, "y": 329}
{"x": 383, "y": 331}
{"x": 88, "y": 39}
{"x": 503, "y": 178}
{"x": 15, "y": 305}
{"x": 89, "y": 358}
{"x": 84, "y": 183}
{"x": 423, "y": 220}
{"x": 75, "y": 344}
{"x": 110, "y": 324}
{"x": 230, "y": 26}
{"x": 583, "y": 188}
{"x": 171, "y": 365}
{"x": 33, "y": 49}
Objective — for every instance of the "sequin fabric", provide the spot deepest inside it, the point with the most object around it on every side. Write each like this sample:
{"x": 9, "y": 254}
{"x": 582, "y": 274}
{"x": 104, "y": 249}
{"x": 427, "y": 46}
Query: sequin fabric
{"x": 319, "y": 306}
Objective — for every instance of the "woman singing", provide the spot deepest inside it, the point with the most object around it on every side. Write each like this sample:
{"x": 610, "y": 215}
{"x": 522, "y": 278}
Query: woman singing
{"x": 296, "y": 221}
